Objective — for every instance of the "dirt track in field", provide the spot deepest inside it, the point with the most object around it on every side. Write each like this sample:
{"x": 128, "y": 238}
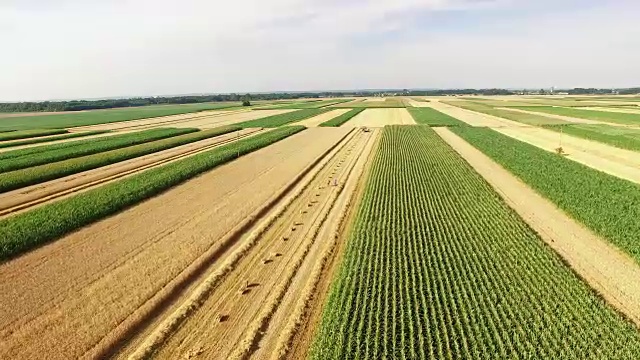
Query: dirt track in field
{"x": 618, "y": 162}
{"x": 30, "y": 197}
{"x": 266, "y": 290}
{"x": 317, "y": 120}
{"x": 70, "y": 297}
{"x": 380, "y": 118}
{"x": 608, "y": 270}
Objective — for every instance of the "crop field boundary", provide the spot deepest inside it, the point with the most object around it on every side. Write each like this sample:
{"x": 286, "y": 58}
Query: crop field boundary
{"x": 23, "y": 232}
{"x": 312, "y": 316}
{"x": 608, "y": 270}
{"x": 172, "y": 292}
{"x": 111, "y": 178}
{"x": 196, "y": 115}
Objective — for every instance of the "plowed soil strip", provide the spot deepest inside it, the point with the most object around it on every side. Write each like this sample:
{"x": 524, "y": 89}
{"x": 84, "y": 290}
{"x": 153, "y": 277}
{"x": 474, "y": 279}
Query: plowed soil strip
{"x": 68, "y": 295}
{"x": 248, "y": 298}
{"x": 380, "y": 118}
{"x": 29, "y": 197}
{"x": 610, "y": 272}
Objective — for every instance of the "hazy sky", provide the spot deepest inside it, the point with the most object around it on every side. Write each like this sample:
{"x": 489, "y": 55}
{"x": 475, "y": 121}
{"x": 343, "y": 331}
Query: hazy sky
{"x": 62, "y": 49}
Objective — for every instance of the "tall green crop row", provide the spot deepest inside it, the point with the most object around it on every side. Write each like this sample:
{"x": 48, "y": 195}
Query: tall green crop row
{"x": 26, "y": 134}
{"x": 25, "y": 158}
{"x": 438, "y": 267}
{"x": 608, "y": 205}
{"x": 341, "y": 119}
{"x": 37, "y": 174}
{"x": 24, "y": 231}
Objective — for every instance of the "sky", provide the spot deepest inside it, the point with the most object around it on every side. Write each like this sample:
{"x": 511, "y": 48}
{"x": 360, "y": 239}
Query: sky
{"x": 72, "y": 49}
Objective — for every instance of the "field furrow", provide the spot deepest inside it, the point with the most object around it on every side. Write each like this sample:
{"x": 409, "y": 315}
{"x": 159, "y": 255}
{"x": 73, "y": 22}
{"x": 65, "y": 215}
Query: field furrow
{"x": 37, "y": 195}
{"x": 257, "y": 294}
{"x": 114, "y": 263}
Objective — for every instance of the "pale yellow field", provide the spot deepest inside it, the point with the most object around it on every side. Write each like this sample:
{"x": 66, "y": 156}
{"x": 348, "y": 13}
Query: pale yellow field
{"x": 380, "y": 118}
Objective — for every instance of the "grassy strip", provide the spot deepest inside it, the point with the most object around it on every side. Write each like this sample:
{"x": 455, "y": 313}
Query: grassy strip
{"x": 606, "y": 204}
{"x": 38, "y": 174}
{"x": 621, "y": 137}
{"x": 339, "y": 120}
{"x": 531, "y": 119}
{"x": 93, "y": 117}
{"x": 606, "y": 116}
{"x": 53, "y": 138}
{"x": 30, "y": 157}
{"x": 433, "y": 117}
{"x": 25, "y": 134}
{"x": 282, "y": 119}
{"x": 25, "y": 231}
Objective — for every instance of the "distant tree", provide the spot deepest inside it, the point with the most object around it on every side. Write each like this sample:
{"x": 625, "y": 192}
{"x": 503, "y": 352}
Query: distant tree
{"x": 246, "y": 100}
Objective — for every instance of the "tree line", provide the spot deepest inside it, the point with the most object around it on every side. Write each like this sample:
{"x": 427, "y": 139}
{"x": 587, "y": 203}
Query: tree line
{"x": 77, "y": 105}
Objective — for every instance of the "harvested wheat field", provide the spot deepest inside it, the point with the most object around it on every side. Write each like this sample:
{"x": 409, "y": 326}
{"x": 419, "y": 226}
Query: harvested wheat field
{"x": 380, "y": 118}
{"x": 122, "y": 280}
